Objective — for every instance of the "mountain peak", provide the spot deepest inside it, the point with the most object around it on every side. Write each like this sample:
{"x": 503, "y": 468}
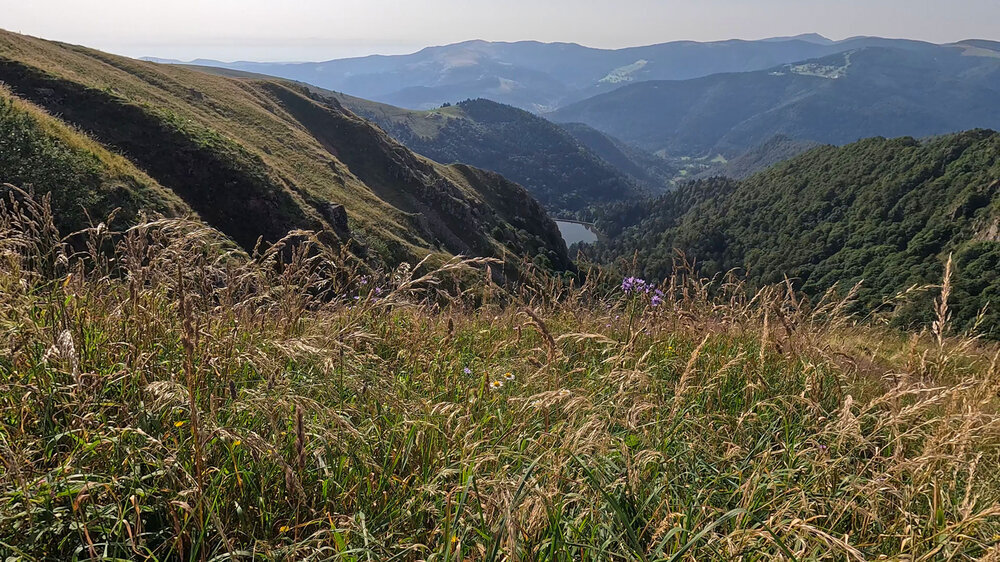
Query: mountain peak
{"x": 807, "y": 37}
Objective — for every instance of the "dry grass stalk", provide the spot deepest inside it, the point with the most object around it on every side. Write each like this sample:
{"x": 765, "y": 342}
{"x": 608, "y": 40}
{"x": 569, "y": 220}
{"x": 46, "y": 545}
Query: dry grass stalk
{"x": 942, "y": 315}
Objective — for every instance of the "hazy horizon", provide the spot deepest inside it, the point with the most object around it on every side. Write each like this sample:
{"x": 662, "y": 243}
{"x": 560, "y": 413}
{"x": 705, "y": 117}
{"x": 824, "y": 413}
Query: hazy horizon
{"x": 310, "y": 30}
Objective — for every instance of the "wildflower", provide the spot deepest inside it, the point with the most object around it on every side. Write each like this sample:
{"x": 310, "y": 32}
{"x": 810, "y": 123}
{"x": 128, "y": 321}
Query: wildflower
{"x": 496, "y": 385}
{"x": 563, "y": 393}
{"x": 179, "y": 423}
{"x": 509, "y": 376}
{"x": 633, "y": 285}
{"x": 657, "y": 298}
{"x": 283, "y": 529}
{"x": 467, "y": 371}
{"x": 454, "y": 539}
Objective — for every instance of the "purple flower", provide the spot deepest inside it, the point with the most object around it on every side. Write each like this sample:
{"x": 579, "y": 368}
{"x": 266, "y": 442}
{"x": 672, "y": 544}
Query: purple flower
{"x": 632, "y": 284}
{"x": 636, "y": 285}
{"x": 657, "y": 299}
{"x": 467, "y": 371}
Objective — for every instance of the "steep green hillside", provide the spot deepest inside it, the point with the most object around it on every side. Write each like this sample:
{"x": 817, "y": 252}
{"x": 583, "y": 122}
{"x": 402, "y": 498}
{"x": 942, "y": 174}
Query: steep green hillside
{"x": 562, "y": 173}
{"x": 258, "y": 158}
{"x": 40, "y": 154}
{"x": 888, "y": 212}
{"x": 874, "y": 91}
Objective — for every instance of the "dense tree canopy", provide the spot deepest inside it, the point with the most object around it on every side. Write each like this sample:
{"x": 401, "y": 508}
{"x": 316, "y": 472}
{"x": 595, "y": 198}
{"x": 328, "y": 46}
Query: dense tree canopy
{"x": 888, "y": 212}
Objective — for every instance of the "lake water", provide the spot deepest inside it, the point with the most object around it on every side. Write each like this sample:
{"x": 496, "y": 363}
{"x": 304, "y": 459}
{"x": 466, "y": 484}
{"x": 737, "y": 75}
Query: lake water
{"x": 573, "y": 232}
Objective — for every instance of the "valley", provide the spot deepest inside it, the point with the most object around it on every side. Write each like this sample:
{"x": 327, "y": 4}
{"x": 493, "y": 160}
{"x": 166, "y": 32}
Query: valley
{"x": 717, "y": 300}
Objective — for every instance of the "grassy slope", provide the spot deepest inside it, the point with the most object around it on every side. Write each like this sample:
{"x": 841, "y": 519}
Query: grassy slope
{"x": 245, "y": 156}
{"x": 240, "y": 412}
{"x": 41, "y": 154}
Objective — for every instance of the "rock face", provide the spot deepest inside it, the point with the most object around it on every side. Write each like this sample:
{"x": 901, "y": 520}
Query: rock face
{"x": 336, "y": 215}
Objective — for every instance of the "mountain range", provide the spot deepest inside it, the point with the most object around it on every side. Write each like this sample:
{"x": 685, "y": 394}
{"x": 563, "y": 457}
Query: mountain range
{"x": 873, "y": 91}
{"x": 543, "y": 76}
{"x": 693, "y": 105}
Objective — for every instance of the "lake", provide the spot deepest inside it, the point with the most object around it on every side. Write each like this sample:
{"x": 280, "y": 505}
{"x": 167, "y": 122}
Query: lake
{"x": 573, "y": 232}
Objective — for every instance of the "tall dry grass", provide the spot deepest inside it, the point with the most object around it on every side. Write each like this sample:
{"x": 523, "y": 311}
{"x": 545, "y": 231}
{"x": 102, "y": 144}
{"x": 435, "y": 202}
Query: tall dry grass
{"x": 166, "y": 396}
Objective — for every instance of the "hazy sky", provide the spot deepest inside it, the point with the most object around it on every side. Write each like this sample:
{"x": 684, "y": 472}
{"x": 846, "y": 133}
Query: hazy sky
{"x": 317, "y": 29}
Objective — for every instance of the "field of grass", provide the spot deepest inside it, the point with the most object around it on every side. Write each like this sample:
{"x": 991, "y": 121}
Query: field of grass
{"x": 166, "y": 396}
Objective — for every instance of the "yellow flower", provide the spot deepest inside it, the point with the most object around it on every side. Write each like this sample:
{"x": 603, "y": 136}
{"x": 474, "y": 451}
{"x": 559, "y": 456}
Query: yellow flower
{"x": 179, "y": 423}
{"x": 283, "y": 529}
{"x": 237, "y": 443}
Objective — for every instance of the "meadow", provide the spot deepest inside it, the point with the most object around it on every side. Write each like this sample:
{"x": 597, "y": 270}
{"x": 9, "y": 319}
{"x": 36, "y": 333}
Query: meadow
{"x": 166, "y": 395}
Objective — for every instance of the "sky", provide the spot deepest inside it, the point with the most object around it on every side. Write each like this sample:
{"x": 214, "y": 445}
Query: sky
{"x": 308, "y": 30}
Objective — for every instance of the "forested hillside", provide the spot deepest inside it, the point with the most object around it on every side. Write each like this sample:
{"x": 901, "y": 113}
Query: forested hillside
{"x": 562, "y": 173}
{"x": 777, "y": 149}
{"x": 645, "y": 168}
{"x": 885, "y": 212}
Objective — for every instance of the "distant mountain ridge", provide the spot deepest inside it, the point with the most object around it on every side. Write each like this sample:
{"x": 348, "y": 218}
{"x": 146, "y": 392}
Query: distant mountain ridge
{"x": 918, "y": 90}
{"x": 544, "y": 76}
